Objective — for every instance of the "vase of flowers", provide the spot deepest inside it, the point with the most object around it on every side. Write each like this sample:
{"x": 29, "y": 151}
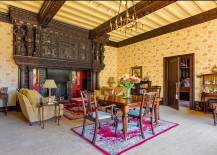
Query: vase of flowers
{"x": 128, "y": 82}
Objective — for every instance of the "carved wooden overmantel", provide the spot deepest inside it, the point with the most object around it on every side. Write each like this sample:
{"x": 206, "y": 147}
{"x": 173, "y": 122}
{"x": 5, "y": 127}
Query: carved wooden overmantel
{"x": 59, "y": 45}
{"x": 98, "y": 58}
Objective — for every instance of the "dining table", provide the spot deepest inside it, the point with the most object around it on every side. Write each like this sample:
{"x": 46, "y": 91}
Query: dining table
{"x": 128, "y": 103}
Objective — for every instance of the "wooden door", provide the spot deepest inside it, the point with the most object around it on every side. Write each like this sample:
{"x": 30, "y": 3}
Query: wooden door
{"x": 173, "y": 83}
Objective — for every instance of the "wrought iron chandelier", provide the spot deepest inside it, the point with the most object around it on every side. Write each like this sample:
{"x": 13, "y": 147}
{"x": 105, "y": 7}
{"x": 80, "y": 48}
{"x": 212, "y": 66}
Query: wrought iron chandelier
{"x": 126, "y": 23}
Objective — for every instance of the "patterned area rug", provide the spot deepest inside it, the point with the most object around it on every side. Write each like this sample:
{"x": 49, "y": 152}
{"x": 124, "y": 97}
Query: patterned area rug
{"x": 73, "y": 111}
{"x": 107, "y": 143}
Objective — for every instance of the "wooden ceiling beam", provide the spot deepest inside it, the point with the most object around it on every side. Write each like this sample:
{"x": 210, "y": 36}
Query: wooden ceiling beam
{"x": 142, "y": 8}
{"x": 48, "y": 11}
{"x": 4, "y": 17}
{"x": 188, "y": 22}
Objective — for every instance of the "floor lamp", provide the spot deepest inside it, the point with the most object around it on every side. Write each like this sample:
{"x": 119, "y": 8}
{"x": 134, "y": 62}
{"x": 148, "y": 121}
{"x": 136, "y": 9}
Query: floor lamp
{"x": 49, "y": 83}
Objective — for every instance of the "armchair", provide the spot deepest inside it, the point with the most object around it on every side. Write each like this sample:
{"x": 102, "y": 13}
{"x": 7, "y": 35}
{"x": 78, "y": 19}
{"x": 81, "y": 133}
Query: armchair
{"x": 29, "y": 103}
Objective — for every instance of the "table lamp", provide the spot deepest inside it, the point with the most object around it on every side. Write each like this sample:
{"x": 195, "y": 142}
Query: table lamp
{"x": 49, "y": 83}
{"x": 111, "y": 81}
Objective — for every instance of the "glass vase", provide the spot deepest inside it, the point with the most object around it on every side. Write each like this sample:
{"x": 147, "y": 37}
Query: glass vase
{"x": 127, "y": 92}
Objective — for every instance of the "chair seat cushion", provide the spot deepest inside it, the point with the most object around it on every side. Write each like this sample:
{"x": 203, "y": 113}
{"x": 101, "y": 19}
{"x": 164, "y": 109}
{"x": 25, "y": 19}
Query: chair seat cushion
{"x": 135, "y": 112}
{"x": 102, "y": 115}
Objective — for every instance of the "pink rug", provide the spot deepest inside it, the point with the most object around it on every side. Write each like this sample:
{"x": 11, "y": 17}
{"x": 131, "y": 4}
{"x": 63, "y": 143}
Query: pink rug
{"x": 107, "y": 143}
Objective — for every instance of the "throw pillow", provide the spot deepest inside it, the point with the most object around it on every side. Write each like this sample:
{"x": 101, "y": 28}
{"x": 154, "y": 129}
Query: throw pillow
{"x": 37, "y": 94}
{"x": 46, "y": 99}
{"x": 33, "y": 99}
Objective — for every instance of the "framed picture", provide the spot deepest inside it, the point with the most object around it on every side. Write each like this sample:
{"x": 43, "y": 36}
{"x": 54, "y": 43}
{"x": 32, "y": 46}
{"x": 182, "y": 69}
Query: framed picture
{"x": 137, "y": 71}
{"x": 3, "y": 90}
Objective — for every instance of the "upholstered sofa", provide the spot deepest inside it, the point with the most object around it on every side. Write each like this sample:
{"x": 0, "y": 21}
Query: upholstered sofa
{"x": 117, "y": 91}
{"x": 29, "y": 102}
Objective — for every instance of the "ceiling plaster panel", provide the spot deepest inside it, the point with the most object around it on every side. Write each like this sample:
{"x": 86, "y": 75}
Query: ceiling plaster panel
{"x": 191, "y": 7}
{"x": 33, "y": 6}
{"x": 89, "y": 15}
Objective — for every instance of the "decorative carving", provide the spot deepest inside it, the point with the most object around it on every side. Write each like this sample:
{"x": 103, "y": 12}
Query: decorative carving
{"x": 68, "y": 49}
{"x": 24, "y": 16}
{"x": 49, "y": 45}
{"x": 22, "y": 76}
{"x": 30, "y": 76}
{"x": 4, "y": 17}
{"x": 102, "y": 56}
{"x": 53, "y": 47}
{"x": 19, "y": 34}
{"x": 98, "y": 49}
{"x": 60, "y": 29}
{"x": 29, "y": 40}
{"x": 50, "y": 63}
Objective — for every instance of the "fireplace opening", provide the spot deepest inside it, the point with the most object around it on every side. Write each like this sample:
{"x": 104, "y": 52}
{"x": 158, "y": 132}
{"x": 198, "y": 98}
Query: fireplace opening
{"x": 69, "y": 83}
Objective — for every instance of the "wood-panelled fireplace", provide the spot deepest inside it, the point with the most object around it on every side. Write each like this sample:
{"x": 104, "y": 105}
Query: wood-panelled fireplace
{"x": 58, "y": 46}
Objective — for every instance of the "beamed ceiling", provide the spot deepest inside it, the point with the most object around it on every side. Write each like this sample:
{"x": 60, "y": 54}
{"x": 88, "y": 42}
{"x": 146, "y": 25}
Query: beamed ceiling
{"x": 93, "y": 15}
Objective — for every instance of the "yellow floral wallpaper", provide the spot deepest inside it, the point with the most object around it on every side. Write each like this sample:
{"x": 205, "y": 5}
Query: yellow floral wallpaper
{"x": 111, "y": 62}
{"x": 8, "y": 68}
{"x": 200, "y": 39}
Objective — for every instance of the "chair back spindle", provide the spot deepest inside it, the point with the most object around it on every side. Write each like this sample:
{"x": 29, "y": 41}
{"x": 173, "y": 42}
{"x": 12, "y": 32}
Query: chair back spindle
{"x": 148, "y": 100}
{"x": 89, "y": 103}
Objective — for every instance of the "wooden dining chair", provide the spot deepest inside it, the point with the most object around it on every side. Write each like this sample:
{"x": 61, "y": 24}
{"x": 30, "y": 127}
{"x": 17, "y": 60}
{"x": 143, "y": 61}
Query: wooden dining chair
{"x": 215, "y": 113}
{"x": 92, "y": 113}
{"x": 111, "y": 92}
{"x": 156, "y": 89}
{"x": 146, "y": 110}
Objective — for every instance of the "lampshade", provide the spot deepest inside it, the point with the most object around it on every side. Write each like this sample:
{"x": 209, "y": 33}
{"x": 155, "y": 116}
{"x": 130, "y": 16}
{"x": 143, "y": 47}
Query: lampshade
{"x": 49, "y": 83}
{"x": 111, "y": 80}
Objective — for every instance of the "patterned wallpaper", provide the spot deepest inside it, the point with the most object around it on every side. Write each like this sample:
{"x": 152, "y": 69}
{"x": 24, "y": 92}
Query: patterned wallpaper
{"x": 8, "y": 68}
{"x": 111, "y": 62}
{"x": 200, "y": 39}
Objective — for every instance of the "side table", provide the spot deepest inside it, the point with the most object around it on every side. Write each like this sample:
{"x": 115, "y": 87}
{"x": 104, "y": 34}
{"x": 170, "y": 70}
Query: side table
{"x": 5, "y": 96}
{"x": 41, "y": 113}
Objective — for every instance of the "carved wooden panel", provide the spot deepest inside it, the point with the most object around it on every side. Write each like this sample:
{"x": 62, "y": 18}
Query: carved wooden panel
{"x": 4, "y": 17}
{"x": 60, "y": 45}
{"x": 68, "y": 49}
{"x": 49, "y": 44}
{"x": 49, "y": 47}
{"x": 17, "y": 14}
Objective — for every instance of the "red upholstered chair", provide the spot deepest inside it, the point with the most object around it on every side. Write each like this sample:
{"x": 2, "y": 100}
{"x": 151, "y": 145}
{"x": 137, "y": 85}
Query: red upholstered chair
{"x": 92, "y": 112}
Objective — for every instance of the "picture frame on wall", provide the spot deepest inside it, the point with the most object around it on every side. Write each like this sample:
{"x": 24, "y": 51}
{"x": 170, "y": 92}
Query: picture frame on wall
{"x": 137, "y": 71}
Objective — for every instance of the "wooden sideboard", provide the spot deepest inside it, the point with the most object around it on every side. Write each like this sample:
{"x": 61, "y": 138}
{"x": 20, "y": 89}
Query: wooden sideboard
{"x": 140, "y": 86}
{"x": 5, "y": 96}
{"x": 208, "y": 96}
